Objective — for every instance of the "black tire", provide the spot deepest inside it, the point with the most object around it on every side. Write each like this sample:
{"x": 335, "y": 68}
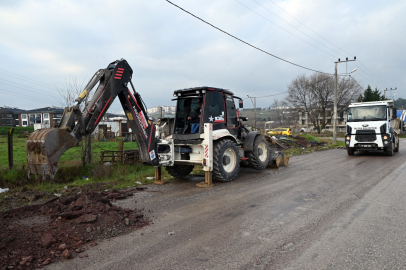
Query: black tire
{"x": 389, "y": 151}
{"x": 179, "y": 171}
{"x": 226, "y": 161}
{"x": 350, "y": 151}
{"x": 259, "y": 157}
{"x": 397, "y": 147}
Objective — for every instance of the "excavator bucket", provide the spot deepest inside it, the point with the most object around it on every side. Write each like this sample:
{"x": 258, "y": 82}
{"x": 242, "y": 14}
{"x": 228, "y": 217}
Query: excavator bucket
{"x": 44, "y": 149}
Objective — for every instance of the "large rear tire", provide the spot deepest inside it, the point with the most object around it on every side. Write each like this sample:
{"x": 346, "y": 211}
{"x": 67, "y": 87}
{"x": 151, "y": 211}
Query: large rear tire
{"x": 226, "y": 161}
{"x": 179, "y": 171}
{"x": 259, "y": 157}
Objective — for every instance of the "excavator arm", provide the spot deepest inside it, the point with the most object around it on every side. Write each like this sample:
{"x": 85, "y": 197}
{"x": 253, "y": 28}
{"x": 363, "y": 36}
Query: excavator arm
{"x": 46, "y": 146}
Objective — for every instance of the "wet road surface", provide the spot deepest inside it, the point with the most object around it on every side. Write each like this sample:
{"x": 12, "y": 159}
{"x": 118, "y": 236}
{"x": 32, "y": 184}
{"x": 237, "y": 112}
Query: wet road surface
{"x": 326, "y": 210}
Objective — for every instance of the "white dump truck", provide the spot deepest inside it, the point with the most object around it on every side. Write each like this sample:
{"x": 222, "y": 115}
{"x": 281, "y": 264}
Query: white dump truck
{"x": 372, "y": 126}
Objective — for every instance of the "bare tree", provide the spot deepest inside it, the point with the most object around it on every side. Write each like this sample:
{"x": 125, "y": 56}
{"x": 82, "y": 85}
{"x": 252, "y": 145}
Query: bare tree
{"x": 68, "y": 94}
{"x": 314, "y": 95}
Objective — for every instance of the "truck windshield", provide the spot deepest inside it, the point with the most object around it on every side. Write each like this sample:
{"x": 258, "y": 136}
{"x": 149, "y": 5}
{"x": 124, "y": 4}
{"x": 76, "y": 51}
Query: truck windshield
{"x": 370, "y": 113}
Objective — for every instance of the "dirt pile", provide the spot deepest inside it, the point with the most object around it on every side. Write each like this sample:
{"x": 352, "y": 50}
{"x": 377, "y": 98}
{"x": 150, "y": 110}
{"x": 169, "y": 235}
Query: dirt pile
{"x": 36, "y": 235}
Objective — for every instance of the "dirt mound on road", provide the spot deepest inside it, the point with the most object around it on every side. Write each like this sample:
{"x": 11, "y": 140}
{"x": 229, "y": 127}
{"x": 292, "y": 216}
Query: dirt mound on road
{"x": 36, "y": 235}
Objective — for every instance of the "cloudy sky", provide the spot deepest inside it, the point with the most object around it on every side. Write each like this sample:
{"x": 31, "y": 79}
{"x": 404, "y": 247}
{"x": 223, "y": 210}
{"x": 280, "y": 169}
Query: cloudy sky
{"x": 46, "y": 44}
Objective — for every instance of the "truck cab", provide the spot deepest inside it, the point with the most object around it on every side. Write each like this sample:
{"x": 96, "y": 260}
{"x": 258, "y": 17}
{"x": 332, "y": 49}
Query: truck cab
{"x": 372, "y": 126}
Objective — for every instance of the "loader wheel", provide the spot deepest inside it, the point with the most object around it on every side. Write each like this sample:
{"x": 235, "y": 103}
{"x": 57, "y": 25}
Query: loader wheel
{"x": 259, "y": 157}
{"x": 179, "y": 171}
{"x": 226, "y": 161}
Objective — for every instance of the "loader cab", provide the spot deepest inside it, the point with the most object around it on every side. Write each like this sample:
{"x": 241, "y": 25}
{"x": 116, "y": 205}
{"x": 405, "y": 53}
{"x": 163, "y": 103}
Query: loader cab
{"x": 199, "y": 105}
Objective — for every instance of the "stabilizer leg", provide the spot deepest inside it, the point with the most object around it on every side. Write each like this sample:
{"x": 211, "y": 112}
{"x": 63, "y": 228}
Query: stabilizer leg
{"x": 208, "y": 180}
{"x": 158, "y": 180}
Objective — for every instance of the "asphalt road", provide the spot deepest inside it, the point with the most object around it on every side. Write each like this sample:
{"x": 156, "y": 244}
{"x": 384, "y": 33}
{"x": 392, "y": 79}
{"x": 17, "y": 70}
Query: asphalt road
{"x": 326, "y": 210}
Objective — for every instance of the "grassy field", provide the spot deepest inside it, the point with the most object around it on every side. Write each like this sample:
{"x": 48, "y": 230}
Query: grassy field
{"x": 71, "y": 172}
{"x": 73, "y": 154}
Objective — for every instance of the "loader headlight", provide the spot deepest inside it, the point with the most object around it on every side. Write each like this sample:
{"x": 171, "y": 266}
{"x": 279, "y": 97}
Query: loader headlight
{"x": 385, "y": 137}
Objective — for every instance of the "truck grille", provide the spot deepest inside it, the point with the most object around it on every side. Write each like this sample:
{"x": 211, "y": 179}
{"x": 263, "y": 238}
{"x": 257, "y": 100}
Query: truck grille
{"x": 365, "y": 135}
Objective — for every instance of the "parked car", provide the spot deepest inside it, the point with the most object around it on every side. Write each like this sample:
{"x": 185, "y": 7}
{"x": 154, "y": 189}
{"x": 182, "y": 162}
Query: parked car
{"x": 281, "y": 131}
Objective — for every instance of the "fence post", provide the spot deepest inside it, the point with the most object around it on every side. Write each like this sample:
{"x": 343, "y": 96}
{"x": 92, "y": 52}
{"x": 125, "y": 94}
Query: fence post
{"x": 10, "y": 147}
{"x": 120, "y": 150}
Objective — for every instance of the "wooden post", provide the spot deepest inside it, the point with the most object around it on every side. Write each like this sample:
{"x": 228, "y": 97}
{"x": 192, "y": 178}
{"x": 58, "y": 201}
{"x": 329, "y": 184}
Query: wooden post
{"x": 10, "y": 147}
{"x": 120, "y": 150}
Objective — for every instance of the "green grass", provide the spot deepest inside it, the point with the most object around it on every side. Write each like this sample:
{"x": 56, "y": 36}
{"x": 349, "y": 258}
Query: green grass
{"x": 307, "y": 137}
{"x": 73, "y": 154}
{"x": 18, "y": 131}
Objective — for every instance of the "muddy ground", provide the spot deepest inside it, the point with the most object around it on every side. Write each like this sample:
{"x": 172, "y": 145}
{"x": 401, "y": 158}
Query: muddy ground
{"x": 62, "y": 227}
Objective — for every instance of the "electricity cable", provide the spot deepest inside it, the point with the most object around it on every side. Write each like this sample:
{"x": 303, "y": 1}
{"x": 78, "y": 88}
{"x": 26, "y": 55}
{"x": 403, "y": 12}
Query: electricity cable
{"x": 24, "y": 96}
{"x": 246, "y": 42}
{"x": 328, "y": 42}
{"x": 285, "y": 29}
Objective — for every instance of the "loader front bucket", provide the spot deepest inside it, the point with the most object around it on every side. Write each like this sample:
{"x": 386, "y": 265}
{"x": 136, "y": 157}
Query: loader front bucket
{"x": 278, "y": 158}
{"x": 44, "y": 149}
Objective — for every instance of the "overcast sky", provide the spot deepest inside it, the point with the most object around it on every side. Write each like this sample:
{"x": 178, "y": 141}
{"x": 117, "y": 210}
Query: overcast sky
{"x": 44, "y": 44}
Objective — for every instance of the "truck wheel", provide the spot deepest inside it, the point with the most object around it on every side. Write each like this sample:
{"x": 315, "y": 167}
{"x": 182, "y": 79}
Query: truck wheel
{"x": 179, "y": 171}
{"x": 350, "y": 151}
{"x": 397, "y": 147}
{"x": 259, "y": 157}
{"x": 226, "y": 161}
{"x": 389, "y": 151}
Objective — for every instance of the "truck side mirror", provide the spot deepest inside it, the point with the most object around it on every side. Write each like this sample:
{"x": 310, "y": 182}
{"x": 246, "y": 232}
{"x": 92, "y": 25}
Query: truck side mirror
{"x": 341, "y": 115}
{"x": 394, "y": 113}
{"x": 240, "y": 104}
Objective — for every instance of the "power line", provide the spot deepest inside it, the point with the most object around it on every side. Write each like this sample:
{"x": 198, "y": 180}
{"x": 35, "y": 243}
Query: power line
{"x": 29, "y": 87}
{"x": 24, "y": 96}
{"x": 246, "y": 42}
{"x": 25, "y": 89}
{"x": 44, "y": 84}
{"x": 356, "y": 82}
{"x": 328, "y": 42}
{"x": 292, "y": 26}
{"x": 267, "y": 95}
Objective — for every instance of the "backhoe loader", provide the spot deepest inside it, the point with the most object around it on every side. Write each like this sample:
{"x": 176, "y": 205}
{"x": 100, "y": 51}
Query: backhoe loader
{"x": 207, "y": 130}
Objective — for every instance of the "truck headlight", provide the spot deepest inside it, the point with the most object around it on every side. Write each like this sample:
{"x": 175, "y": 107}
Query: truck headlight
{"x": 348, "y": 138}
{"x": 385, "y": 142}
{"x": 385, "y": 137}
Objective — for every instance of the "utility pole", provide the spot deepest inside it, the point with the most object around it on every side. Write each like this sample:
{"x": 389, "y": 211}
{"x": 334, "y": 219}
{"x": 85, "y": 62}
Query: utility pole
{"x": 384, "y": 91}
{"x": 255, "y": 110}
{"x": 255, "y": 113}
{"x": 335, "y": 97}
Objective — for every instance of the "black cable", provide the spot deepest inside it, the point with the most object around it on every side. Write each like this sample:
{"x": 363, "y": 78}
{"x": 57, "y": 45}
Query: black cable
{"x": 24, "y": 96}
{"x": 291, "y": 26}
{"x": 246, "y": 42}
{"x": 356, "y": 82}
{"x": 329, "y": 42}
{"x": 44, "y": 84}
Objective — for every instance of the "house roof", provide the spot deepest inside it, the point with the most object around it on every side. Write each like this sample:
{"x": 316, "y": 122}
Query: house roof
{"x": 51, "y": 109}
{"x": 6, "y": 109}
